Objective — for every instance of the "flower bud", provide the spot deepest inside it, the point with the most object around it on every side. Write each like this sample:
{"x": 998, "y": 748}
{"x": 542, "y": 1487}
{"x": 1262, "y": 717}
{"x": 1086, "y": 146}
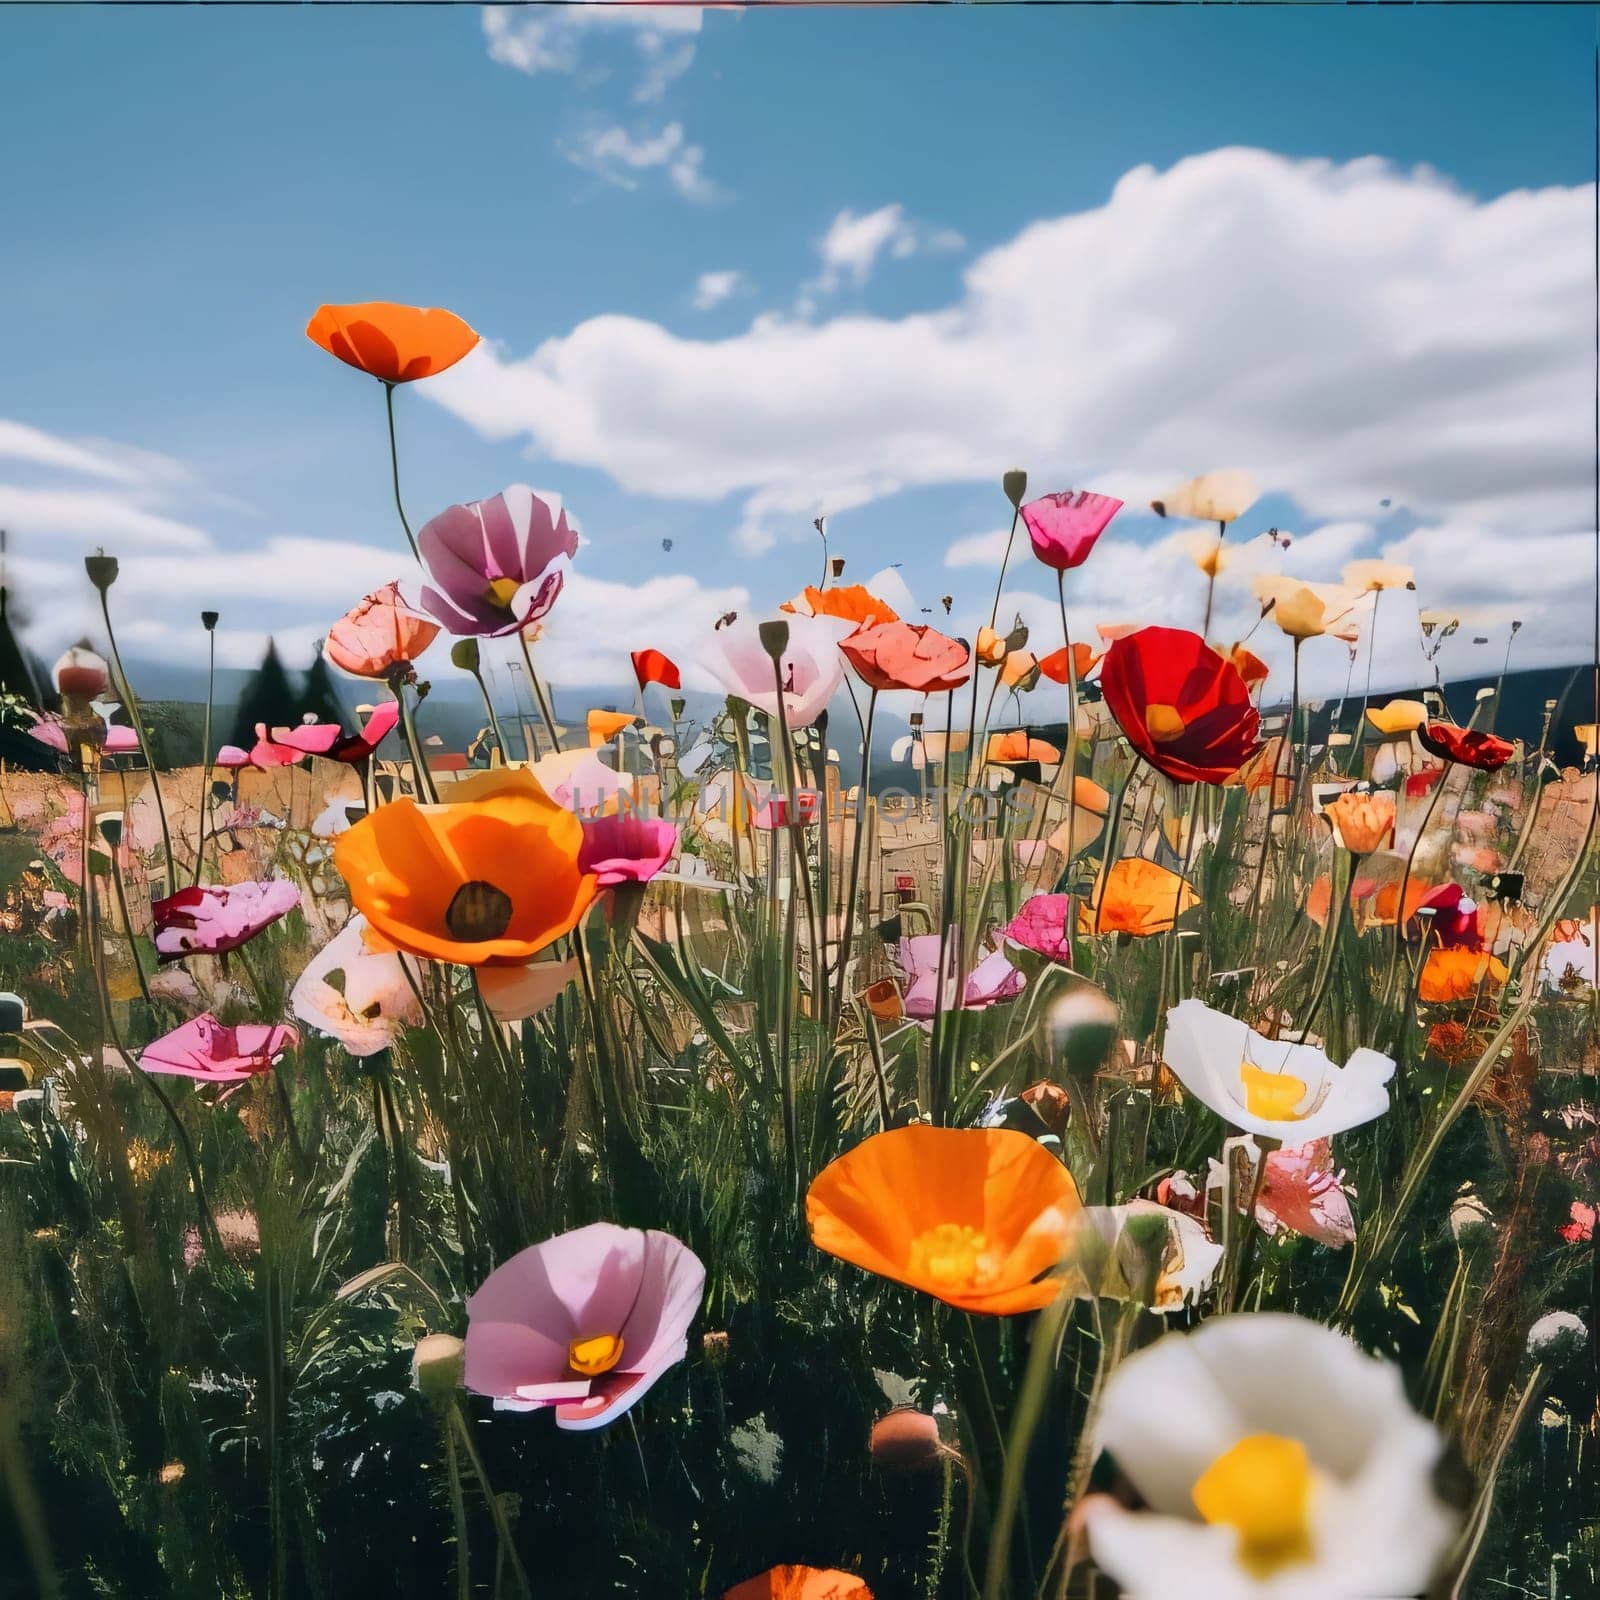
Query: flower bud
{"x": 1015, "y": 484}
{"x": 1557, "y": 1337}
{"x": 81, "y": 675}
{"x": 437, "y": 1364}
{"x": 905, "y": 1440}
{"x": 1083, "y": 1026}
{"x": 464, "y": 655}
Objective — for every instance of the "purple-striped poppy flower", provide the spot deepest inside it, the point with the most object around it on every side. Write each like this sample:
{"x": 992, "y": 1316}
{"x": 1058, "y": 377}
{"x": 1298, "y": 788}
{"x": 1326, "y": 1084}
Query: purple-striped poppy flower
{"x": 495, "y": 563}
{"x": 209, "y": 919}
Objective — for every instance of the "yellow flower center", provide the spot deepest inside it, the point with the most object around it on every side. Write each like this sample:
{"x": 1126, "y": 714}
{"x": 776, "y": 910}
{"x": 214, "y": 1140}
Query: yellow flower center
{"x": 952, "y": 1255}
{"x": 1164, "y": 722}
{"x": 1273, "y": 1095}
{"x": 503, "y": 591}
{"x": 1261, "y": 1488}
{"x": 593, "y": 1356}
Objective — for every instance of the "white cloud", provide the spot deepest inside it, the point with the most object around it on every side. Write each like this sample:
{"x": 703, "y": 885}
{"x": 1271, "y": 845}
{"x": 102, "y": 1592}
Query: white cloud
{"x": 712, "y": 288}
{"x": 981, "y": 549}
{"x": 1348, "y": 333}
{"x": 93, "y": 517}
{"x": 850, "y": 248}
{"x": 618, "y": 156}
{"x": 570, "y": 38}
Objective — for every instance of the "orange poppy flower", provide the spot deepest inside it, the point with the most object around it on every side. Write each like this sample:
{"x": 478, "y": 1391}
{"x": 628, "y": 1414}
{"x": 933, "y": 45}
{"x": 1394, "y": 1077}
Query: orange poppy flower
{"x": 1249, "y": 665}
{"x": 1007, "y": 749}
{"x": 379, "y": 634}
{"x": 394, "y": 344}
{"x": 1018, "y": 666}
{"x": 1388, "y": 899}
{"x": 801, "y": 1583}
{"x": 1361, "y": 823}
{"x": 1456, "y": 975}
{"x": 976, "y": 1217}
{"x": 851, "y": 602}
{"x": 604, "y": 726}
{"x": 489, "y": 879}
{"x": 1138, "y": 897}
{"x": 883, "y": 1000}
{"x": 1054, "y": 665}
{"x": 991, "y": 647}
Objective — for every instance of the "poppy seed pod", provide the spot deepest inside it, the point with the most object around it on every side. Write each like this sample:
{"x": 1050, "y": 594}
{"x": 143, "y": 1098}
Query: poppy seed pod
{"x": 464, "y": 655}
{"x": 209, "y": 619}
{"x": 774, "y": 638}
{"x": 836, "y": 566}
{"x": 905, "y": 1440}
{"x": 437, "y": 1364}
{"x": 80, "y": 674}
{"x": 102, "y": 570}
{"x": 1015, "y": 484}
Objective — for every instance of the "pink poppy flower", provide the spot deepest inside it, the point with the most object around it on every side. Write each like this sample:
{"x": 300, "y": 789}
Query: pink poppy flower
{"x": 1041, "y": 925}
{"x": 810, "y": 669}
{"x": 206, "y": 1049}
{"x": 374, "y": 1000}
{"x": 119, "y": 740}
{"x": 625, "y": 849}
{"x": 211, "y": 918}
{"x": 992, "y": 980}
{"x": 283, "y": 747}
{"x": 1064, "y": 527}
{"x": 1580, "y": 1230}
{"x": 585, "y": 1322}
{"x": 495, "y": 562}
{"x": 1302, "y": 1192}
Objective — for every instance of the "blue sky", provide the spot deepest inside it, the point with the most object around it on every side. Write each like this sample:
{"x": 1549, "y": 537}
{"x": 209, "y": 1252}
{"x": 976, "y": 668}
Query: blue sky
{"x": 198, "y": 180}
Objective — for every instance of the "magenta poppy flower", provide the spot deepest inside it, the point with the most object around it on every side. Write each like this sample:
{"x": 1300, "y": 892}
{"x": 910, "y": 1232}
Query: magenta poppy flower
{"x": 1041, "y": 925}
{"x": 585, "y": 1322}
{"x": 283, "y": 747}
{"x": 625, "y": 849}
{"x": 211, "y": 918}
{"x": 495, "y": 562}
{"x": 1064, "y": 527}
{"x": 119, "y": 741}
{"x": 992, "y": 980}
{"x": 1455, "y": 923}
{"x": 206, "y": 1049}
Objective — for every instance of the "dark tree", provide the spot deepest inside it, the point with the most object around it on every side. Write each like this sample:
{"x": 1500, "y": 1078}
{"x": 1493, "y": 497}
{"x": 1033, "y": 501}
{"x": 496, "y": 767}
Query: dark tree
{"x": 268, "y": 698}
{"x": 318, "y": 696}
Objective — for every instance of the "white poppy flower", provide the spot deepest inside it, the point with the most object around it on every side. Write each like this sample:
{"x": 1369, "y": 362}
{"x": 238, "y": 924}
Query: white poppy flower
{"x": 372, "y": 1001}
{"x": 1276, "y": 1462}
{"x": 1571, "y": 965}
{"x": 811, "y": 667}
{"x": 1268, "y": 1087}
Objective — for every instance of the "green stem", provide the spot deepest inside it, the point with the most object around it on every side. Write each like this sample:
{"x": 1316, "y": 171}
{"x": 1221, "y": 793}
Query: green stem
{"x": 394, "y": 469}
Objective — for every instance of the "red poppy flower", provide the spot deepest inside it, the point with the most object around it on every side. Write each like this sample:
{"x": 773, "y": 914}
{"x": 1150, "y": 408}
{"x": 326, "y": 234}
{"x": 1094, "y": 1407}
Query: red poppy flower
{"x": 1456, "y": 924}
{"x": 650, "y": 666}
{"x": 1184, "y": 708}
{"x": 1470, "y": 746}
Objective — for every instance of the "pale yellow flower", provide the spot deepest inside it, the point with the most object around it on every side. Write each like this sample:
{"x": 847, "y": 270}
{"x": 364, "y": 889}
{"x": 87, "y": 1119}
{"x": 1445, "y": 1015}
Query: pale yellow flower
{"x": 1372, "y": 576}
{"x": 1212, "y": 497}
